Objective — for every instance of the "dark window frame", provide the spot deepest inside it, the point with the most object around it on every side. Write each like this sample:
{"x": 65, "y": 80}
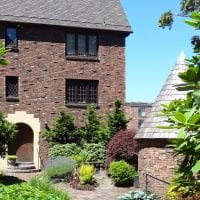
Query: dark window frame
{"x": 75, "y": 83}
{"x": 11, "y": 96}
{"x": 86, "y": 45}
{"x": 141, "y": 111}
{"x": 7, "y": 46}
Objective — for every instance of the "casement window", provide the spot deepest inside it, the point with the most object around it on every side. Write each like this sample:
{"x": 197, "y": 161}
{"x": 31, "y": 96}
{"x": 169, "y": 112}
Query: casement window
{"x": 12, "y": 87}
{"x": 81, "y": 91}
{"x": 11, "y": 40}
{"x": 141, "y": 111}
{"x": 82, "y": 45}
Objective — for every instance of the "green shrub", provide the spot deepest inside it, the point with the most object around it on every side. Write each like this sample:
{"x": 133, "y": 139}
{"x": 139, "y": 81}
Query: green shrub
{"x": 81, "y": 158}
{"x": 86, "y": 174}
{"x": 122, "y": 173}
{"x": 138, "y": 195}
{"x": 25, "y": 191}
{"x": 96, "y": 152}
{"x": 117, "y": 119}
{"x": 60, "y": 167}
{"x": 66, "y": 150}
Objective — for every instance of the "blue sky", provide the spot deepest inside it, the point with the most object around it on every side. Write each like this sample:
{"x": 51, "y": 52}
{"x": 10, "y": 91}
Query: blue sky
{"x": 151, "y": 52}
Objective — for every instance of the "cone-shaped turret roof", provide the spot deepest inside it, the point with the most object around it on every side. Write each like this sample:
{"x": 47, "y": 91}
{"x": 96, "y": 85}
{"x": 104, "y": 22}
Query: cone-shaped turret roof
{"x": 168, "y": 92}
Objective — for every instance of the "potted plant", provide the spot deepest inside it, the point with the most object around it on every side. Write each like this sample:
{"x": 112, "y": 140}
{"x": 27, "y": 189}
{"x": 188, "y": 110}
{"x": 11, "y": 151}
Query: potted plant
{"x": 11, "y": 159}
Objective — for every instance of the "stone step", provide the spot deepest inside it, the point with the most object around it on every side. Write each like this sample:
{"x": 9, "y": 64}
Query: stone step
{"x": 21, "y": 167}
{"x": 7, "y": 171}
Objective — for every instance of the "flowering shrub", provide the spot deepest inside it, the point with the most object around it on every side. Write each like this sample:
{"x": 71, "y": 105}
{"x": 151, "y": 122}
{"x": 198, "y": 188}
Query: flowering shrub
{"x": 122, "y": 147}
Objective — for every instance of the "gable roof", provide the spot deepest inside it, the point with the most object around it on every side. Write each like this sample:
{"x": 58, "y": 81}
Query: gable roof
{"x": 94, "y": 14}
{"x": 168, "y": 93}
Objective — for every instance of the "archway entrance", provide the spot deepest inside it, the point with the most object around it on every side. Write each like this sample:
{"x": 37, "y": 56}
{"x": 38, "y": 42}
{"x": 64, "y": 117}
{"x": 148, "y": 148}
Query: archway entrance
{"x": 22, "y": 146}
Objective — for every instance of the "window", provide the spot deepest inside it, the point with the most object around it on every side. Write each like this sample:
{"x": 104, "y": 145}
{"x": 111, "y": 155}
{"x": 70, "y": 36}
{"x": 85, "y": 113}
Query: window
{"x": 81, "y": 91}
{"x": 141, "y": 111}
{"x": 82, "y": 45}
{"x": 11, "y": 40}
{"x": 11, "y": 87}
{"x": 140, "y": 123}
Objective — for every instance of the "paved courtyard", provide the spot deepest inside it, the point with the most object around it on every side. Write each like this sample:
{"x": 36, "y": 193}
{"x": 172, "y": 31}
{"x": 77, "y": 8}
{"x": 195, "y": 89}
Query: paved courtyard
{"x": 105, "y": 191}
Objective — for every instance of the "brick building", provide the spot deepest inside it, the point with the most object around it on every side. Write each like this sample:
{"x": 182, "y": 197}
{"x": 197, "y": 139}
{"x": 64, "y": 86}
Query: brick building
{"x": 155, "y": 160}
{"x": 136, "y": 112}
{"x": 62, "y": 54}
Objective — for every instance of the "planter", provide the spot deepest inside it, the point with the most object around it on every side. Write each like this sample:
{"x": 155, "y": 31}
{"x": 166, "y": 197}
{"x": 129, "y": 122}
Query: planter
{"x": 11, "y": 160}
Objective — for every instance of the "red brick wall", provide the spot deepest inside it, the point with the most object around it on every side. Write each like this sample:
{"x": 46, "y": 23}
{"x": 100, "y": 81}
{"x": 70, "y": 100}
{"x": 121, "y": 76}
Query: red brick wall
{"x": 132, "y": 113}
{"x": 42, "y": 69}
{"x": 156, "y": 160}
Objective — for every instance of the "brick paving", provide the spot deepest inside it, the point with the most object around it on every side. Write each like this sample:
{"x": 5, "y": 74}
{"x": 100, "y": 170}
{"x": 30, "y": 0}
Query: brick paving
{"x": 105, "y": 191}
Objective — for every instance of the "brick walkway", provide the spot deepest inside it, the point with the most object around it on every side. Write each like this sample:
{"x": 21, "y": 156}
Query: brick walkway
{"x": 105, "y": 191}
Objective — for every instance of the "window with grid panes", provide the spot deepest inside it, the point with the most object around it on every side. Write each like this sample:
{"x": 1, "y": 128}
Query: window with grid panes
{"x": 81, "y": 91}
{"x": 83, "y": 45}
{"x": 11, "y": 86}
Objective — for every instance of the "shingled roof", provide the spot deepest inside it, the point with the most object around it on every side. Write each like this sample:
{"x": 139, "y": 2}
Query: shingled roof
{"x": 148, "y": 129}
{"x": 93, "y": 14}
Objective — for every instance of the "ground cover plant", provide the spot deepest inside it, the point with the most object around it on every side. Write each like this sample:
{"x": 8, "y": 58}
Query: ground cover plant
{"x": 138, "y": 195}
{"x": 37, "y": 189}
{"x": 122, "y": 174}
{"x": 66, "y": 150}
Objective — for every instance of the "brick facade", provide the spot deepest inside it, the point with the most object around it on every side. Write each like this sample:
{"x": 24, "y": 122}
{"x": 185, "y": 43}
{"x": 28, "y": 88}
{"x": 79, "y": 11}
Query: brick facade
{"x": 132, "y": 109}
{"x": 156, "y": 160}
{"x": 42, "y": 69}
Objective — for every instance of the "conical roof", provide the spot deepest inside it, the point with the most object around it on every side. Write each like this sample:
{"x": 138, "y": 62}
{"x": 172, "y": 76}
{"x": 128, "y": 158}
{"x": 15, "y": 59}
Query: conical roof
{"x": 168, "y": 92}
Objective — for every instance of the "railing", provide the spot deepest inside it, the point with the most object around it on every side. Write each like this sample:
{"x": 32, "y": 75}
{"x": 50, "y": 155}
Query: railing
{"x": 155, "y": 178}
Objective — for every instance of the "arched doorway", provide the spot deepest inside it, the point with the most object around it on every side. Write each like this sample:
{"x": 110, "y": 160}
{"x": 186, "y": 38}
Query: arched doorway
{"x": 22, "y": 146}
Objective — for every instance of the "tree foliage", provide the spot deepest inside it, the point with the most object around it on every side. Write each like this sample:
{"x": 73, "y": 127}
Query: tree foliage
{"x": 117, "y": 119}
{"x": 7, "y": 133}
{"x": 92, "y": 125}
{"x": 184, "y": 115}
{"x": 186, "y": 7}
{"x": 3, "y": 51}
{"x": 63, "y": 130}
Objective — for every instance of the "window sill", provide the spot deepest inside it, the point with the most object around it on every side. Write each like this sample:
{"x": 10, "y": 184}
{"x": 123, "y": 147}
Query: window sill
{"x": 12, "y": 99}
{"x": 83, "y": 58}
{"x": 77, "y": 105}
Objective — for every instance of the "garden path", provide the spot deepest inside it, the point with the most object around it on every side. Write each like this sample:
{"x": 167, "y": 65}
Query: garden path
{"x": 105, "y": 191}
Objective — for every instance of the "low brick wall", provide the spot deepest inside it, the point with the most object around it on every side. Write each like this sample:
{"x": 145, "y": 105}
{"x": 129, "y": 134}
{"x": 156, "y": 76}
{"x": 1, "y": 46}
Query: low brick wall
{"x": 156, "y": 160}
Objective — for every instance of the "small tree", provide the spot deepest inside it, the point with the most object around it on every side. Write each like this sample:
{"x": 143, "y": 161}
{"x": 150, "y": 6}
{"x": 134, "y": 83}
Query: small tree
{"x": 117, "y": 119}
{"x": 63, "y": 130}
{"x": 7, "y": 133}
{"x": 92, "y": 125}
